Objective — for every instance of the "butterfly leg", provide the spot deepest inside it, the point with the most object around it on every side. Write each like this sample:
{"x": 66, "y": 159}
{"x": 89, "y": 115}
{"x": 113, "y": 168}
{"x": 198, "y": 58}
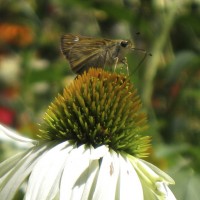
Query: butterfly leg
{"x": 124, "y": 61}
{"x": 116, "y": 61}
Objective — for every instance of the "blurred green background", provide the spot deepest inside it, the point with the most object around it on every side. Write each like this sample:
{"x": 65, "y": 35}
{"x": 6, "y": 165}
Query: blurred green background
{"x": 33, "y": 70}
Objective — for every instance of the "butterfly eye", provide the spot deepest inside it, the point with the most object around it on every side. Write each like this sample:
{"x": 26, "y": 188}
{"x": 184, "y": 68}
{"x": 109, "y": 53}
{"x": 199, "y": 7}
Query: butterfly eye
{"x": 124, "y": 43}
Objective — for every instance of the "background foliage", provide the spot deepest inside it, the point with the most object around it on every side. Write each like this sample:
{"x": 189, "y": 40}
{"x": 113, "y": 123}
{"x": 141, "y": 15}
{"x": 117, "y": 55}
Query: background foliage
{"x": 33, "y": 71}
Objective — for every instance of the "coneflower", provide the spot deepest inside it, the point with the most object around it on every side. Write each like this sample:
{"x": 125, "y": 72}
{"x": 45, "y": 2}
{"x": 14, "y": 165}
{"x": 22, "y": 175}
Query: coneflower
{"x": 90, "y": 147}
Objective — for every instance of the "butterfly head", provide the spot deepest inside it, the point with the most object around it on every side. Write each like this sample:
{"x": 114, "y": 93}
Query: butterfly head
{"x": 126, "y": 44}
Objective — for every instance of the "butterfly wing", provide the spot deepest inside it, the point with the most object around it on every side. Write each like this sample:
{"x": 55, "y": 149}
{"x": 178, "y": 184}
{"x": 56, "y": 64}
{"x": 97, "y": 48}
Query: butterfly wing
{"x": 84, "y": 52}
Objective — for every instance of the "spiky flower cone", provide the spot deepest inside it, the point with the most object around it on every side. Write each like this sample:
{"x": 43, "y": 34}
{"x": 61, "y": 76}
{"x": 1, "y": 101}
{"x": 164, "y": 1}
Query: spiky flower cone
{"x": 98, "y": 108}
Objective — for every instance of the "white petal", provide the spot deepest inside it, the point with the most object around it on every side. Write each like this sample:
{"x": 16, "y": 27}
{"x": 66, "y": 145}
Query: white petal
{"x": 7, "y": 165}
{"x": 99, "y": 152}
{"x": 75, "y": 173}
{"x": 170, "y": 195}
{"x": 130, "y": 185}
{"x": 15, "y": 136}
{"x": 19, "y": 173}
{"x": 108, "y": 177}
{"x": 162, "y": 174}
{"x": 165, "y": 191}
{"x": 149, "y": 172}
{"x": 92, "y": 171}
{"x": 145, "y": 173}
{"x": 91, "y": 180}
{"x": 153, "y": 179}
{"x": 44, "y": 181}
